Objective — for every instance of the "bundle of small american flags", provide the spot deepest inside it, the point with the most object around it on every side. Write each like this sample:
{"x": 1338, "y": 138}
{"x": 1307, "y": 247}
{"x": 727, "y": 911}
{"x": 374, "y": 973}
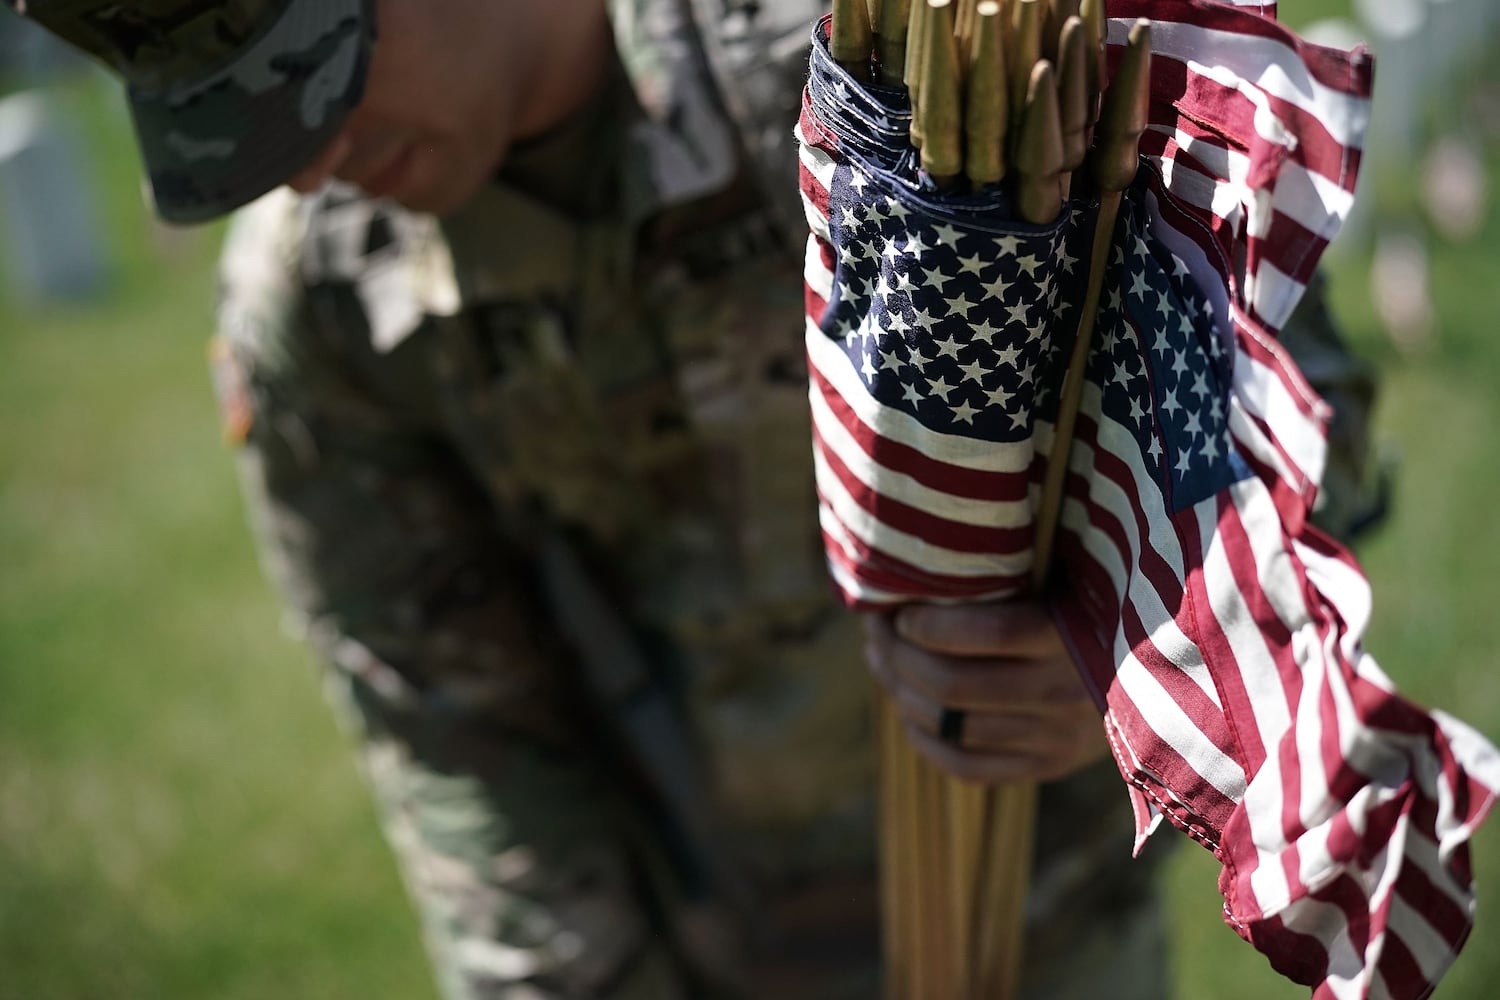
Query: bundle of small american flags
{"x": 1220, "y": 631}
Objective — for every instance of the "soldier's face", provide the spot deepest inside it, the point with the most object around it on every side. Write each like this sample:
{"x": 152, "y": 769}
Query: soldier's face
{"x": 453, "y": 83}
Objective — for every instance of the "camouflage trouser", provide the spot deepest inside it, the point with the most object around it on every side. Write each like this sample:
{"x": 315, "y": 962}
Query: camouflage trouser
{"x": 539, "y": 867}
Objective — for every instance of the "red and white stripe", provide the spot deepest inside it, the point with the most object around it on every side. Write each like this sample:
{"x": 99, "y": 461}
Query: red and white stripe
{"x": 1241, "y": 703}
{"x": 1257, "y": 132}
{"x": 901, "y": 507}
{"x": 1240, "y": 699}
{"x": 1225, "y": 640}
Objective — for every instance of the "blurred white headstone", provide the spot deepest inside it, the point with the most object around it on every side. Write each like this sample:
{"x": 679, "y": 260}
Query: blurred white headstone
{"x": 49, "y": 226}
{"x": 1459, "y": 33}
{"x": 1455, "y": 188}
{"x": 1336, "y": 33}
{"x": 1397, "y": 30}
{"x": 1401, "y": 290}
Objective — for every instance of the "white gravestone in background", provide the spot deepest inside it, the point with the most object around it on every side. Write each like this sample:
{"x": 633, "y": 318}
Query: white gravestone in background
{"x": 49, "y": 228}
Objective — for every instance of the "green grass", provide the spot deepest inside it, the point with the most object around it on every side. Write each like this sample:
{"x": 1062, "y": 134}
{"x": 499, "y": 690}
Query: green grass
{"x": 180, "y": 818}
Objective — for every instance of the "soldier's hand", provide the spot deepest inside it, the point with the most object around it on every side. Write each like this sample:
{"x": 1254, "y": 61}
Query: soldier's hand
{"x": 452, "y": 86}
{"x": 998, "y": 679}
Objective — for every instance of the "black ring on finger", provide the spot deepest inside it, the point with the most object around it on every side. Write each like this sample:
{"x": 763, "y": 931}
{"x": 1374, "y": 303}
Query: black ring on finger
{"x": 951, "y": 726}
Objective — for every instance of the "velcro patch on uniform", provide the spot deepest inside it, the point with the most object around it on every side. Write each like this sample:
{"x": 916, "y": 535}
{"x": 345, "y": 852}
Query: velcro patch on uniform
{"x": 236, "y": 415}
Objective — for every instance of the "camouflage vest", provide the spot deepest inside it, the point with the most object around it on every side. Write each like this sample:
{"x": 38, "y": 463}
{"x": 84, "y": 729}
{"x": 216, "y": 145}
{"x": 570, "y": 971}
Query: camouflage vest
{"x": 618, "y": 328}
{"x": 741, "y": 62}
{"x": 617, "y": 324}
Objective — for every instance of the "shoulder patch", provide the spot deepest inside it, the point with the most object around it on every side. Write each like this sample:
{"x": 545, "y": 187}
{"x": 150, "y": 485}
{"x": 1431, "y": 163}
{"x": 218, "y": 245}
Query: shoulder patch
{"x": 236, "y": 414}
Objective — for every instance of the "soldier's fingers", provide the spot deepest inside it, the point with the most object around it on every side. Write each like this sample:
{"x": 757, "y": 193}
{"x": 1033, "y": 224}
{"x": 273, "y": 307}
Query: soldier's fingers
{"x": 1042, "y": 763}
{"x": 983, "y": 768}
{"x": 881, "y": 652}
{"x": 880, "y": 637}
{"x": 971, "y": 684}
{"x": 989, "y": 685}
{"x": 1039, "y": 731}
{"x": 1009, "y": 629}
{"x": 1018, "y": 739}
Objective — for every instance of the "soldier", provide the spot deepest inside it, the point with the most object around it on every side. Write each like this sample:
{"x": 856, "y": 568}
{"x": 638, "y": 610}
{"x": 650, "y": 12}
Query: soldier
{"x": 518, "y": 392}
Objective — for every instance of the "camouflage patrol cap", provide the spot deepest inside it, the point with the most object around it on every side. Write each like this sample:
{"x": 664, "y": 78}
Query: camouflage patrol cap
{"x": 229, "y": 97}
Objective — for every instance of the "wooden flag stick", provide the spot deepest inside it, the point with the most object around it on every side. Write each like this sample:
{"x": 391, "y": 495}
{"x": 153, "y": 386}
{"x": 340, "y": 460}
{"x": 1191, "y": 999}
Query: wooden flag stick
{"x": 940, "y": 99}
{"x": 891, "y": 28}
{"x": 1095, "y": 27}
{"x": 1039, "y": 157}
{"x": 986, "y": 104}
{"x": 1058, "y": 12}
{"x": 1023, "y": 51}
{"x": 1009, "y": 822}
{"x": 1002, "y": 882}
{"x": 852, "y": 41}
{"x": 967, "y": 848}
{"x": 1073, "y": 96}
{"x": 955, "y": 857}
{"x": 894, "y": 848}
{"x": 963, "y": 25}
{"x": 1114, "y": 166}
{"x": 939, "y": 977}
{"x": 911, "y": 72}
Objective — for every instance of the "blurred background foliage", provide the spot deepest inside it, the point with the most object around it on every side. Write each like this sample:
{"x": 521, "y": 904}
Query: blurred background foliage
{"x": 179, "y": 815}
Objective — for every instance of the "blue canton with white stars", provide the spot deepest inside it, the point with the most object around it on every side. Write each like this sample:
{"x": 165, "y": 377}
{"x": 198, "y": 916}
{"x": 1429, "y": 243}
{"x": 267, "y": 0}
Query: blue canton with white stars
{"x": 951, "y": 323}
{"x": 1164, "y": 369}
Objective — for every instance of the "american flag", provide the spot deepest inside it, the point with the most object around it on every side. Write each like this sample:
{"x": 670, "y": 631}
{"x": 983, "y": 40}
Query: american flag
{"x": 1220, "y": 631}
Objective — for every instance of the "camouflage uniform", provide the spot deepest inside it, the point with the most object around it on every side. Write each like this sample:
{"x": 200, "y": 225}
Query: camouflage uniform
{"x": 535, "y": 478}
{"x": 579, "y": 359}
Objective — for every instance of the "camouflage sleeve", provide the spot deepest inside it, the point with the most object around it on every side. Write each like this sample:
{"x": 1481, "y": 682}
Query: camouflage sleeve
{"x": 510, "y": 813}
{"x": 1354, "y": 493}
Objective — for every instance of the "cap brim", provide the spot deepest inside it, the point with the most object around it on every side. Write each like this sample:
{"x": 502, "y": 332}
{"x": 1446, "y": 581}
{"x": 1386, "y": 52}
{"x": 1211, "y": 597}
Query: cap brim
{"x": 216, "y": 143}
